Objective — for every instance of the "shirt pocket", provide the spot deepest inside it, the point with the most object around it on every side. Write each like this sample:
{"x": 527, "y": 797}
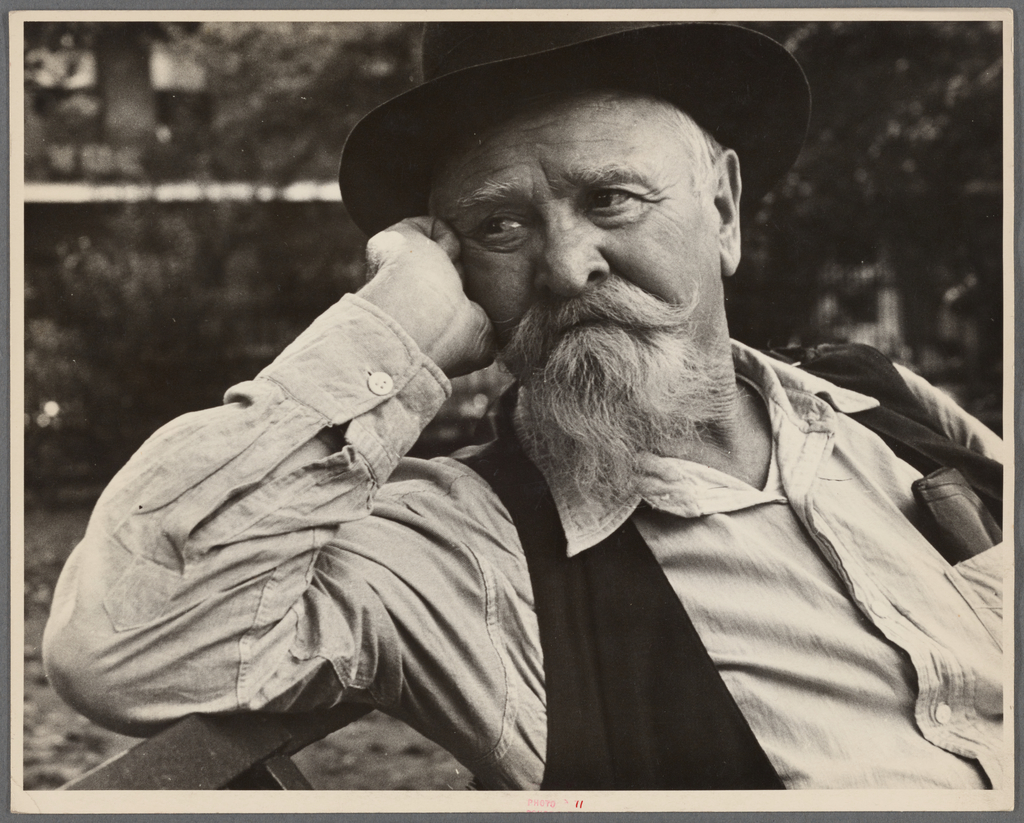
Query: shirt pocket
{"x": 141, "y": 595}
{"x": 980, "y": 582}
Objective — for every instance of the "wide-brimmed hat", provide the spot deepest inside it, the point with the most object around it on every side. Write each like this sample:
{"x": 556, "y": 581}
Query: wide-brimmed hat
{"x": 740, "y": 85}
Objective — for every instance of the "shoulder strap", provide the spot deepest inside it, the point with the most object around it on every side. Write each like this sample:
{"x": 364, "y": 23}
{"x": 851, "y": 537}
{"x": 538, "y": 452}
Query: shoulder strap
{"x": 633, "y": 698}
{"x": 901, "y": 420}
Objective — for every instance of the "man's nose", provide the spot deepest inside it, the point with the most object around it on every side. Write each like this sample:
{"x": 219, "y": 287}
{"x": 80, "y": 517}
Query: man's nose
{"x": 572, "y": 260}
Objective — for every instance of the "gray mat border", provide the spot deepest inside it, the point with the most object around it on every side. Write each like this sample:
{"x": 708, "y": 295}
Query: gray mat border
{"x": 647, "y": 817}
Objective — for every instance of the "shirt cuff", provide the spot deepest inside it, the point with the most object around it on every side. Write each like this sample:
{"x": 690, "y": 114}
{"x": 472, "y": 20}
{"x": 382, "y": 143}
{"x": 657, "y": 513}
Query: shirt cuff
{"x": 355, "y": 365}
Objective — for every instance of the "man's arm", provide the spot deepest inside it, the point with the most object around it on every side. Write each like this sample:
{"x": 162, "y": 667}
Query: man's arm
{"x": 218, "y": 502}
{"x": 201, "y": 549}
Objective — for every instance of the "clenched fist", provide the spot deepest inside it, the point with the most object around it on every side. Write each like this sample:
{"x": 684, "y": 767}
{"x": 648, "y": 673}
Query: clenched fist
{"x": 413, "y": 274}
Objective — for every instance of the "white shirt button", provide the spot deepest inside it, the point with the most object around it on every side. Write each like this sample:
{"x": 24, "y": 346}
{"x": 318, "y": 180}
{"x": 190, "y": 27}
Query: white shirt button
{"x": 943, "y": 713}
{"x": 380, "y": 383}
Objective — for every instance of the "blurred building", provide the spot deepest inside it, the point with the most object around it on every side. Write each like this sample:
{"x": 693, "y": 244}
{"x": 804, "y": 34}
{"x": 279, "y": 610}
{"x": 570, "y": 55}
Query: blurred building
{"x": 108, "y": 108}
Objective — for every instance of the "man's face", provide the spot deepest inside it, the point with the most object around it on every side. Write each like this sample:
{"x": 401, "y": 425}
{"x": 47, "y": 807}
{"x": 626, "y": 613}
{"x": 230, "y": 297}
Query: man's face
{"x": 556, "y": 201}
{"x": 595, "y": 237}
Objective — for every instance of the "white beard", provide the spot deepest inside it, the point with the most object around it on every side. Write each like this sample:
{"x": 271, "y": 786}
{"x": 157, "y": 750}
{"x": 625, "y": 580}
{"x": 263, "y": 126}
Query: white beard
{"x": 608, "y": 377}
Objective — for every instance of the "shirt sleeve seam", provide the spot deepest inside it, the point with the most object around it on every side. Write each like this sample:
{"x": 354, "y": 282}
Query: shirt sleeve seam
{"x": 487, "y": 577}
{"x": 245, "y": 642}
{"x": 511, "y": 707}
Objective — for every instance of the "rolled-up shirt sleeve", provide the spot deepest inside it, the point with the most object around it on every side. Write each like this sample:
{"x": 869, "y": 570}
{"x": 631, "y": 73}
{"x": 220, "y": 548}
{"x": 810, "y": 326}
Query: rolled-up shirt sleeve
{"x": 200, "y": 557}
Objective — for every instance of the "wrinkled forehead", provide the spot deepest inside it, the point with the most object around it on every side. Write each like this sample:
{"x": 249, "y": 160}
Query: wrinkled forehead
{"x": 646, "y": 113}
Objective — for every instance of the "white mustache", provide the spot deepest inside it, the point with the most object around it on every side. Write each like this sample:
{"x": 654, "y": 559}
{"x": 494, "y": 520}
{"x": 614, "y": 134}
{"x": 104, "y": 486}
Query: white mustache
{"x": 616, "y": 302}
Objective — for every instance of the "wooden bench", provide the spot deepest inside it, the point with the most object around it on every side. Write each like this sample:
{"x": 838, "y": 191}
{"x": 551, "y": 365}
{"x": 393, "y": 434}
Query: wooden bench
{"x": 238, "y": 751}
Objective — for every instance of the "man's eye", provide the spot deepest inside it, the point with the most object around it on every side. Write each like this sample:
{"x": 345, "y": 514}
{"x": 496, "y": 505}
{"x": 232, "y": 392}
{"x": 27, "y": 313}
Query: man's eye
{"x": 497, "y": 226}
{"x": 611, "y": 198}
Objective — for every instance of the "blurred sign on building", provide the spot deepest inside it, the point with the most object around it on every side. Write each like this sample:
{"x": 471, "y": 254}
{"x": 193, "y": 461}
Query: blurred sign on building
{"x": 102, "y": 112}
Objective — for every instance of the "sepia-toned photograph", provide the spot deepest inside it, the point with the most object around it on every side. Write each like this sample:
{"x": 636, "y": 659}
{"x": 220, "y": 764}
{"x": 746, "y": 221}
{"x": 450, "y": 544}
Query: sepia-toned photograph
{"x": 518, "y": 412}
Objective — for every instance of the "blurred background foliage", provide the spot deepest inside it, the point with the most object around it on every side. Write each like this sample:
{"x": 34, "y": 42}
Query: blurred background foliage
{"x": 142, "y": 305}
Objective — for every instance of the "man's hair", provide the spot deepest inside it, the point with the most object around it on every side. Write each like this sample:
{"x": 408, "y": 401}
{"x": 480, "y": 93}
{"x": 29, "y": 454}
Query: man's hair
{"x": 705, "y": 150}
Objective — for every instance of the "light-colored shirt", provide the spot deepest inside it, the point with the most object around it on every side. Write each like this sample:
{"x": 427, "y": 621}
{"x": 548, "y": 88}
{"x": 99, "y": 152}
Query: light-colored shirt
{"x": 245, "y": 559}
{"x": 830, "y": 700}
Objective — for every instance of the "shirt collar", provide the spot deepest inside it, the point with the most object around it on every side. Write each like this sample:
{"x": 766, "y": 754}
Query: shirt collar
{"x": 792, "y": 395}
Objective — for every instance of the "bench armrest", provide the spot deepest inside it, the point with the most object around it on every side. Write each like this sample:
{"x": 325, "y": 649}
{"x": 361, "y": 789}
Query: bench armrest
{"x": 244, "y": 751}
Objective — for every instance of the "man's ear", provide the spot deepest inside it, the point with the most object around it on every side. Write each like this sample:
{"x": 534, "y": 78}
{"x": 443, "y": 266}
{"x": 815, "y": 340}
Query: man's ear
{"x": 727, "y": 201}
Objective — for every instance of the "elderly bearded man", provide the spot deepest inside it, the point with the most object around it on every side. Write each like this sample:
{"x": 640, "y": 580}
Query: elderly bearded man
{"x": 724, "y": 557}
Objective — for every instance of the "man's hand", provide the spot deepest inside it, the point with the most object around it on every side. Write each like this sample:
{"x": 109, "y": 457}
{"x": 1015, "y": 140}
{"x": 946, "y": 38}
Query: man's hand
{"x": 414, "y": 275}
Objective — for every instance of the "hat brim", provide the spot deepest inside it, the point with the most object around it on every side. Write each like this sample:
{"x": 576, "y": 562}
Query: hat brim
{"x": 741, "y": 86}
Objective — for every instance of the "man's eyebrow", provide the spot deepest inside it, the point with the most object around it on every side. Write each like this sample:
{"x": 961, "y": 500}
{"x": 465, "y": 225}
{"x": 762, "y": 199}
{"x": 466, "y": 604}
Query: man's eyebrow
{"x": 491, "y": 192}
{"x": 611, "y": 174}
{"x": 487, "y": 193}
